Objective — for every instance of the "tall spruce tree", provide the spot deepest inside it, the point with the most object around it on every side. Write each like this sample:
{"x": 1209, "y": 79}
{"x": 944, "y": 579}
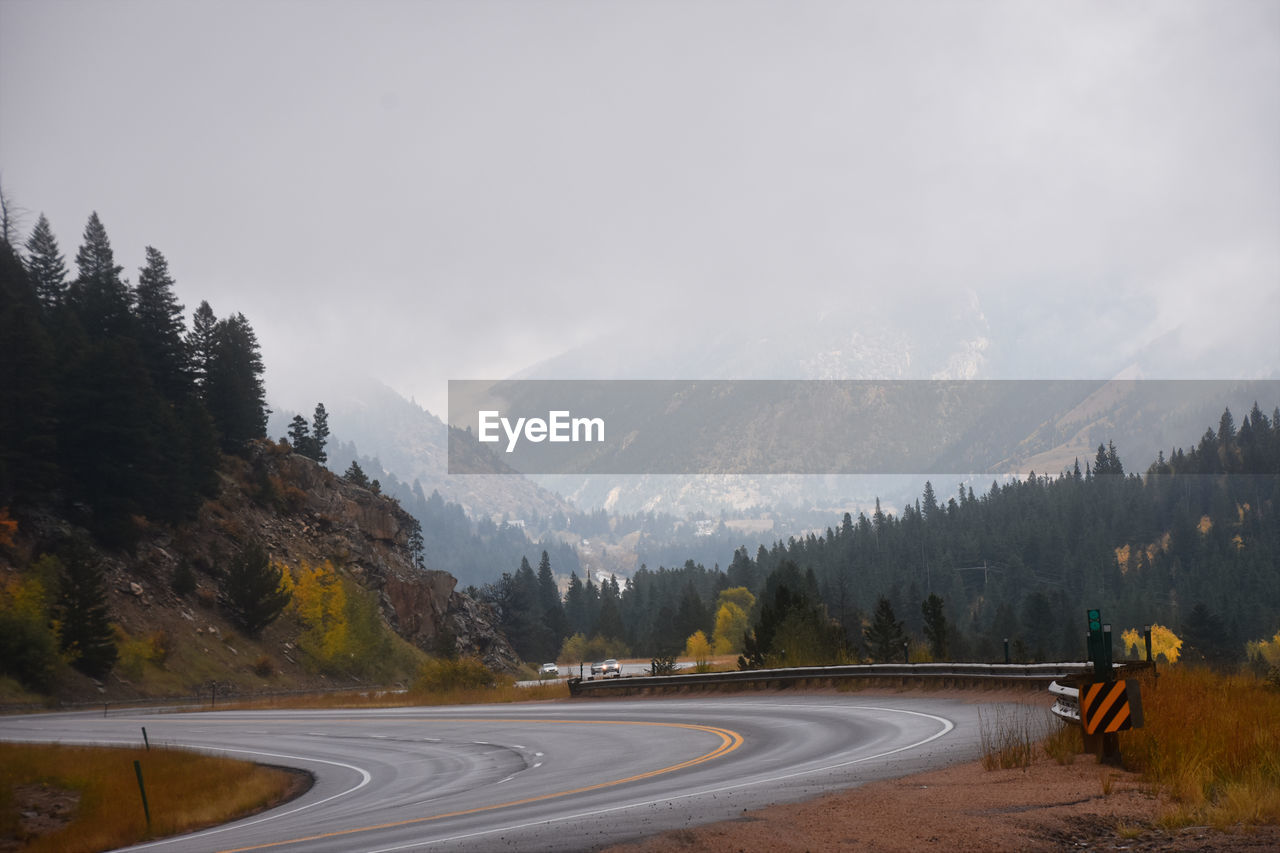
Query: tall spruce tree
{"x": 100, "y": 296}
{"x": 200, "y": 342}
{"x": 233, "y": 390}
{"x": 319, "y": 433}
{"x": 161, "y": 330}
{"x": 46, "y": 265}
{"x": 549, "y": 598}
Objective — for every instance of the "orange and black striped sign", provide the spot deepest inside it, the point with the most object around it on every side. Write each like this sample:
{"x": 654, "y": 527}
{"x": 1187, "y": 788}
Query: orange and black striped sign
{"x": 1110, "y": 706}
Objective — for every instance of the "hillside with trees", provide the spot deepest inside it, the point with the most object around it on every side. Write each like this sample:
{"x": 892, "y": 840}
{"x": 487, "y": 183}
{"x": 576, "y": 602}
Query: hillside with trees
{"x": 1191, "y": 546}
{"x": 152, "y": 539}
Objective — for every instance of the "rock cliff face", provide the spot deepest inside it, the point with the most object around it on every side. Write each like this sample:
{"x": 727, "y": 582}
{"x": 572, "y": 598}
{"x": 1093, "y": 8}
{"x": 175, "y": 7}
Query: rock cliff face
{"x": 321, "y": 516}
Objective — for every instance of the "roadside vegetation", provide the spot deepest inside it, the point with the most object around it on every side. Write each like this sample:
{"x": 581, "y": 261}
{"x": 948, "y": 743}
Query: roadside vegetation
{"x": 1212, "y": 743}
{"x": 1209, "y": 746}
{"x": 64, "y": 798}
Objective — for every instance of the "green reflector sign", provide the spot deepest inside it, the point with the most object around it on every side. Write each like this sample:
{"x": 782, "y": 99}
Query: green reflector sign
{"x": 1095, "y": 620}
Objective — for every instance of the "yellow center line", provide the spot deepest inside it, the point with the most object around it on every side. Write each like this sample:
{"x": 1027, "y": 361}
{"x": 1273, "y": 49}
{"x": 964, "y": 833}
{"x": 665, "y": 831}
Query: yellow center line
{"x": 729, "y": 741}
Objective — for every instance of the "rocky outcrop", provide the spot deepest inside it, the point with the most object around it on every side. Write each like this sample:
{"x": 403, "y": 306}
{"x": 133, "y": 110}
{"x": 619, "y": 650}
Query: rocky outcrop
{"x": 322, "y": 516}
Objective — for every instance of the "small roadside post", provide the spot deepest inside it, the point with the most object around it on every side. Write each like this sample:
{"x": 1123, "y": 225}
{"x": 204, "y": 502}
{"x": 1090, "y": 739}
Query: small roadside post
{"x": 146, "y": 810}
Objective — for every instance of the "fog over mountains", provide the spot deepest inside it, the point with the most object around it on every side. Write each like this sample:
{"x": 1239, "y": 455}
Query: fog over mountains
{"x": 946, "y": 338}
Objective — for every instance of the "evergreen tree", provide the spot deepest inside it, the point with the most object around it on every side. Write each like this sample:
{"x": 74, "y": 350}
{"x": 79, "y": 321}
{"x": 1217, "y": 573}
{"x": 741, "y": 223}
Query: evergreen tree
{"x": 692, "y": 614}
{"x": 884, "y": 635}
{"x": 161, "y": 330}
{"x": 935, "y": 626}
{"x": 609, "y": 621}
{"x": 84, "y": 628}
{"x": 254, "y": 589}
{"x": 102, "y": 299}
{"x": 416, "y": 545}
{"x": 929, "y": 508}
{"x": 793, "y": 626}
{"x": 549, "y": 598}
{"x": 200, "y": 342}
{"x": 46, "y": 265}
{"x": 28, "y": 390}
{"x": 575, "y": 607}
{"x": 319, "y": 434}
{"x": 1204, "y": 637}
{"x": 233, "y": 390}
{"x": 300, "y": 436}
{"x": 354, "y": 473}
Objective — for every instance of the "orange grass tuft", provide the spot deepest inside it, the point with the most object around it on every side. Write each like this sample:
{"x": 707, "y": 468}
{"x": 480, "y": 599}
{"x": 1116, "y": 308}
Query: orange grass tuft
{"x": 1213, "y": 743}
{"x": 185, "y": 791}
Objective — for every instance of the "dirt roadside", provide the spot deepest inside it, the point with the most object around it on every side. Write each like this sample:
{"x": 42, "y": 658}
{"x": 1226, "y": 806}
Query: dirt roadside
{"x": 1046, "y": 807}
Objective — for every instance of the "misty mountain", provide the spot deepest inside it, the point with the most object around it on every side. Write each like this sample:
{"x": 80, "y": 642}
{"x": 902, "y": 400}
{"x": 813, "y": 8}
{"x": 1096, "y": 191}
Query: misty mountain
{"x": 1026, "y": 425}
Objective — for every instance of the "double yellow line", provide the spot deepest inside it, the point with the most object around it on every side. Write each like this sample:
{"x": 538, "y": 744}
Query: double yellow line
{"x": 729, "y": 741}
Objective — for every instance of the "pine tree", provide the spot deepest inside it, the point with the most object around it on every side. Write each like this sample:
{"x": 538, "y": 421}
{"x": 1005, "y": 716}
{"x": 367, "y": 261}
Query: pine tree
{"x": 28, "y": 389}
{"x": 300, "y": 436}
{"x": 102, "y": 299}
{"x": 160, "y": 329}
{"x": 609, "y": 621}
{"x": 355, "y": 474}
{"x": 549, "y": 598}
{"x": 233, "y": 390}
{"x": 200, "y": 342}
{"x": 417, "y": 547}
{"x": 84, "y": 628}
{"x": 935, "y": 626}
{"x": 254, "y": 589}
{"x": 575, "y": 606}
{"x": 929, "y": 508}
{"x": 46, "y": 265}
{"x": 884, "y": 635}
{"x": 319, "y": 434}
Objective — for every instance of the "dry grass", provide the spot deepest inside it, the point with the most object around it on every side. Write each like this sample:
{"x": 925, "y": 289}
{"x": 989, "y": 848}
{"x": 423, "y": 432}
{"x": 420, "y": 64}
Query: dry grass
{"x": 1212, "y": 742}
{"x": 1009, "y": 734}
{"x": 1064, "y": 743}
{"x": 185, "y": 791}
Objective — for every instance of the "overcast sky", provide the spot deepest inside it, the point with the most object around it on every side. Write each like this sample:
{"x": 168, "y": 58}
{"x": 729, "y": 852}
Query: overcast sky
{"x": 435, "y": 190}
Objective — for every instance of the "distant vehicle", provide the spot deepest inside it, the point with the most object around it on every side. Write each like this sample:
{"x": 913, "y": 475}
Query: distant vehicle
{"x": 548, "y": 670}
{"x": 607, "y": 668}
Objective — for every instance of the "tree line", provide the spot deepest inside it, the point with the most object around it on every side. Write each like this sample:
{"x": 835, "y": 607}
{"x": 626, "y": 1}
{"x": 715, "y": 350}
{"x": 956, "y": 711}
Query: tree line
{"x": 1192, "y": 545}
{"x": 112, "y": 409}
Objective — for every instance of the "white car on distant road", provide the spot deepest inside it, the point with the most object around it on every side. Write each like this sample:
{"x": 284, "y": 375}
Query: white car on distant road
{"x": 548, "y": 670}
{"x": 607, "y": 668}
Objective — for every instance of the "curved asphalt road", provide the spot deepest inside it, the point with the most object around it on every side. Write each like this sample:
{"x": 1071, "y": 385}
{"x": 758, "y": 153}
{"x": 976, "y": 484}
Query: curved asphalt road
{"x": 545, "y": 776}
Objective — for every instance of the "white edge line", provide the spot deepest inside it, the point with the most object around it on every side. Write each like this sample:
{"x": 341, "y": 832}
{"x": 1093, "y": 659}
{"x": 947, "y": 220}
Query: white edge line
{"x": 947, "y": 726}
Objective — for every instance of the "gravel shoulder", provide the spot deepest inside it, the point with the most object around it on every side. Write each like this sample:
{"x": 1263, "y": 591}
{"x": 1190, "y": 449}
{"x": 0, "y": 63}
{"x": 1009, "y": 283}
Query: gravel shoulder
{"x": 1045, "y": 807}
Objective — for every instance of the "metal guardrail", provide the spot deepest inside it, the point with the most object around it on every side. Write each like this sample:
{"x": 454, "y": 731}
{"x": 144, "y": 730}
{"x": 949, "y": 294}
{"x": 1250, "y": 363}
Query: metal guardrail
{"x": 946, "y": 674}
{"x": 1066, "y": 702}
